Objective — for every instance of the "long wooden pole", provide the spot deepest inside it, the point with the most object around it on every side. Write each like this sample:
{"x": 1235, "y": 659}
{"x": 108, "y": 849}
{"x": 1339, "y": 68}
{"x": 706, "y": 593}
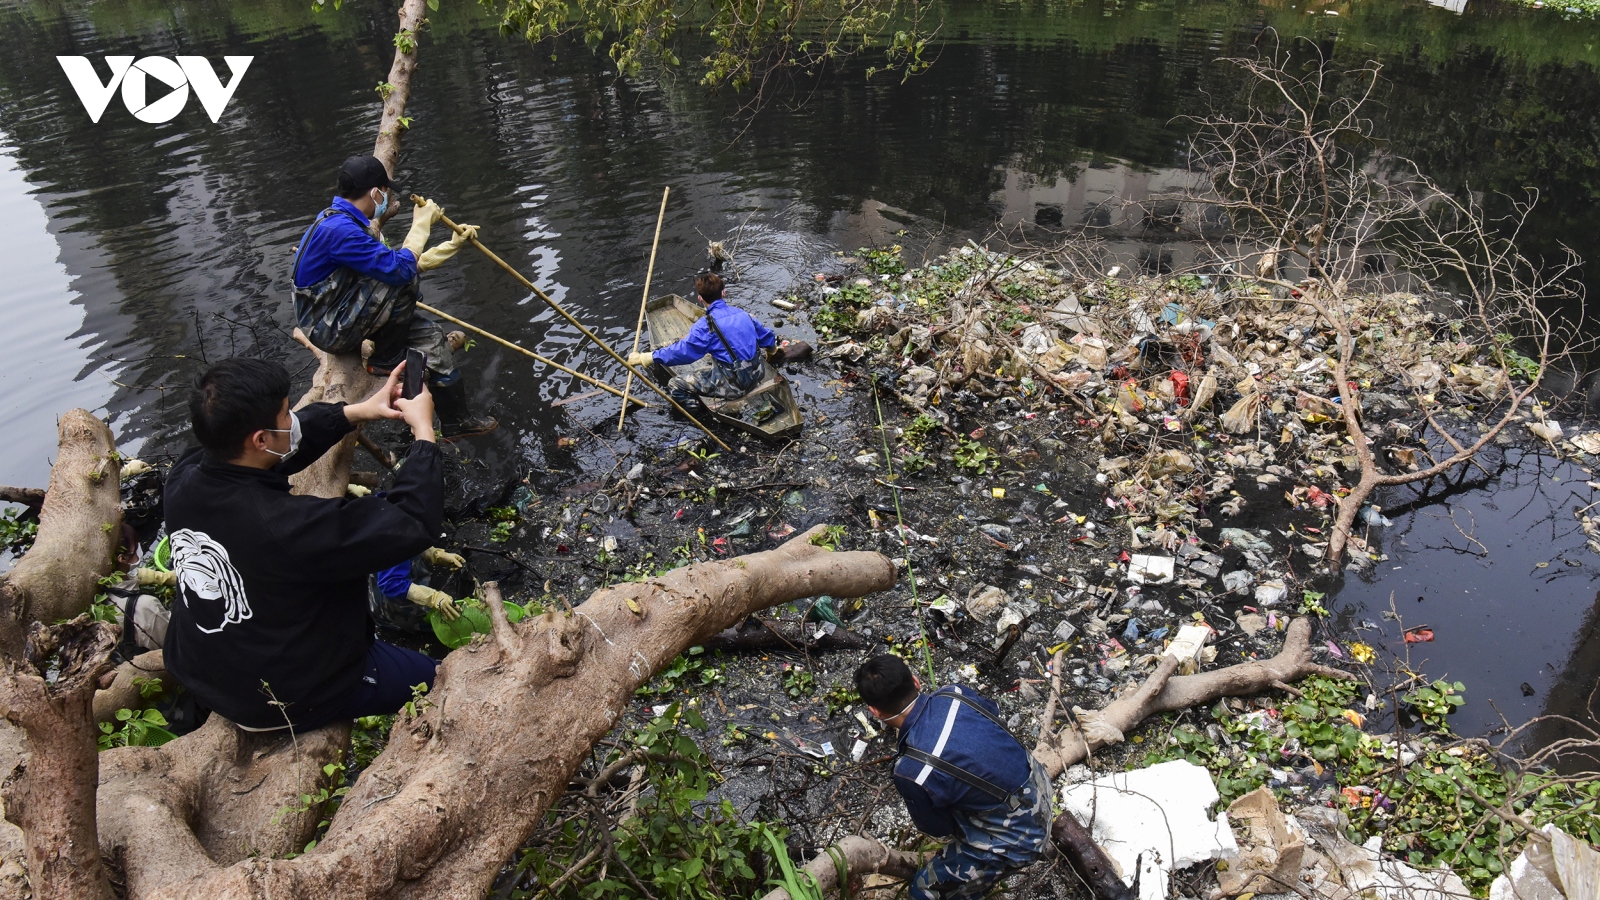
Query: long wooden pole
{"x": 639, "y": 328}
{"x": 526, "y": 352}
{"x": 578, "y": 325}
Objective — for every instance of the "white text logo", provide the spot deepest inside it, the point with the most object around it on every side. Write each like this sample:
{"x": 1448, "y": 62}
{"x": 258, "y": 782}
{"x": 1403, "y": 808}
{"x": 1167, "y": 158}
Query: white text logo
{"x": 179, "y": 74}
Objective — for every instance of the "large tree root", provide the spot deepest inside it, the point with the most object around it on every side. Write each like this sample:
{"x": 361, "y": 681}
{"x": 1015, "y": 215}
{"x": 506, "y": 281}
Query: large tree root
{"x": 862, "y": 855}
{"x": 121, "y": 688}
{"x": 464, "y": 781}
{"x": 1165, "y": 692}
{"x": 78, "y": 533}
{"x": 47, "y": 753}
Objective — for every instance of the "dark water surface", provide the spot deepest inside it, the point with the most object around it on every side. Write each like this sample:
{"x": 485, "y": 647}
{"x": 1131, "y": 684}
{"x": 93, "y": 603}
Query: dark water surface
{"x": 134, "y": 252}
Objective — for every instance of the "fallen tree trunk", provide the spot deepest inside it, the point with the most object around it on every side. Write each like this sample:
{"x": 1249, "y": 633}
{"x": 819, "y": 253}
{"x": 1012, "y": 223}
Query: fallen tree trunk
{"x": 1088, "y": 859}
{"x": 1165, "y": 692}
{"x": 463, "y": 782}
{"x": 861, "y": 856}
{"x": 763, "y": 635}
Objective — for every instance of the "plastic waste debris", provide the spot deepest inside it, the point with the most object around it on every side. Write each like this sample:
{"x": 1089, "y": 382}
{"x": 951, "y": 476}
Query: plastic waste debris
{"x": 1365, "y": 872}
{"x": 1189, "y": 648}
{"x": 1239, "y": 582}
{"x": 823, "y": 610}
{"x": 1371, "y": 516}
{"x": 1152, "y": 821}
{"x": 1245, "y": 540}
{"x": 986, "y": 600}
{"x": 1548, "y": 430}
{"x": 1271, "y": 593}
{"x": 1145, "y": 569}
{"x": 1271, "y": 846}
{"x": 1565, "y": 869}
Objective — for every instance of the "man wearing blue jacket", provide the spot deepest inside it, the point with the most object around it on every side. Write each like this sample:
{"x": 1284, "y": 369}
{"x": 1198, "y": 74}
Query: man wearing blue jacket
{"x": 730, "y": 336}
{"x": 962, "y": 776}
{"x": 349, "y": 286}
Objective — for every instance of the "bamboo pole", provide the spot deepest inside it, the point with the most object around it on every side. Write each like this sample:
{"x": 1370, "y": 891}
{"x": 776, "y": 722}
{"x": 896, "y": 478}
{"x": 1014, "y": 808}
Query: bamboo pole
{"x": 645, "y": 301}
{"x": 576, "y": 324}
{"x": 526, "y": 352}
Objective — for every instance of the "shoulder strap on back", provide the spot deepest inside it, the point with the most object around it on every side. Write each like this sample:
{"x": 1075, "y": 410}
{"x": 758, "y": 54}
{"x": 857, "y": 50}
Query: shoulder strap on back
{"x": 294, "y": 270}
{"x": 954, "y": 693}
{"x": 712, "y": 322}
{"x": 1012, "y": 799}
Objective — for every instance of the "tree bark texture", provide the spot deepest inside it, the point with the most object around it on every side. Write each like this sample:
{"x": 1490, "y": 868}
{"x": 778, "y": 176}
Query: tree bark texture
{"x": 33, "y": 497}
{"x": 341, "y": 378}
{"x": 1088, "y": 859}
{"x": 387, "y": 147}
{"x": 464, "y": 781}
{"x": 78, "y": 533}
{"x": 50, "y": 795}
{"x": 1165, "y": 692}
{"x": 862, "y": 855}
{"x": 47, "y": 755}
{"x": 121, "y": 690}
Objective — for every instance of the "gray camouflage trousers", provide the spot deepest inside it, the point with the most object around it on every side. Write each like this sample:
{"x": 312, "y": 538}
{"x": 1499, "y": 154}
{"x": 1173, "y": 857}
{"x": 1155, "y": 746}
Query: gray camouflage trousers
{"x": 720, "y": 380}
{"x": 992, "y": 844}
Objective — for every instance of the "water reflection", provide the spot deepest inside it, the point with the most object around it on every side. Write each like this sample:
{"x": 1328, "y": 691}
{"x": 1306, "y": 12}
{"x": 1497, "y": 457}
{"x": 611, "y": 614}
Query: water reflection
{"x": 43, "y": 318}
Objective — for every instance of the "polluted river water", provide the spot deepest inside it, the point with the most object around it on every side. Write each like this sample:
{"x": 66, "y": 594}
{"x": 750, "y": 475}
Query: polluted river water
{"x": 137, "y": 252}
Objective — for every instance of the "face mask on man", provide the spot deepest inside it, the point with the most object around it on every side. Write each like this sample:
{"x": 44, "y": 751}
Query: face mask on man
{"x": 294, "y": 437}
{"x": 383, "y": 205}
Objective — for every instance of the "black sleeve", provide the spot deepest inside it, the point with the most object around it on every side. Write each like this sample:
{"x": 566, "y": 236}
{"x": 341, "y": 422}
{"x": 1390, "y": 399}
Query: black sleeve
{"x": 419, "y": 486}
{"x": 321, "y": 426}
{"x": 349, "y": 538}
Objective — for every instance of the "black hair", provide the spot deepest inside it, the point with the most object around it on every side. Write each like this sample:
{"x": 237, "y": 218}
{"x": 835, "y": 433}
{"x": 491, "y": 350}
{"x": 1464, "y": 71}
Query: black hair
{"x": 884, "y": 683}
{"x": 234, "y": 399}
{"x": 709, "y": 286}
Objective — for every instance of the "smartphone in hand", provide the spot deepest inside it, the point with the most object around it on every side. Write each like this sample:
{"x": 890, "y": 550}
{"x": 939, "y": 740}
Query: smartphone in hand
{"x": 416, "y": 372}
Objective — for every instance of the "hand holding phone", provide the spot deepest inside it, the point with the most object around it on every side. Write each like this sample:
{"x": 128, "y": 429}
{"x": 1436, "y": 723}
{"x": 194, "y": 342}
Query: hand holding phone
{"x": 416, "y": 372}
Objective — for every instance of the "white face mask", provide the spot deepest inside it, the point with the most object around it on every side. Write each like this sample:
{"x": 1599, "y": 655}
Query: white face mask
{"x": 294, "y": 437}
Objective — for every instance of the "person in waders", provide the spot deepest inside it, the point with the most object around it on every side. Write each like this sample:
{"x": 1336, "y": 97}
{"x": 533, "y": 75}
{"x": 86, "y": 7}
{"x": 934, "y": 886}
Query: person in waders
{"x": 732, "y": 337}
{"x": 349, "y": 286}
{"x": 962, "y": 776}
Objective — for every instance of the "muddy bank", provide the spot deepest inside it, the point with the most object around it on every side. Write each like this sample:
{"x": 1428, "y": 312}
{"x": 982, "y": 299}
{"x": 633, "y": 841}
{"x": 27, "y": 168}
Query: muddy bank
{"x": 1074, "y": 466}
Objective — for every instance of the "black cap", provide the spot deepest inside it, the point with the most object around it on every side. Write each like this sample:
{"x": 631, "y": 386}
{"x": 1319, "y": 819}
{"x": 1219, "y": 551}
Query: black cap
{"x": 360, "y": 174}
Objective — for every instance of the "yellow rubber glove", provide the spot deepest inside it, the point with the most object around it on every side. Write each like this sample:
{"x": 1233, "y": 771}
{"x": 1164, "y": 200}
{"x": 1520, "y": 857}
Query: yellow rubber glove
{"x": 640, "y": 359}
{"x": 155, "y": 578}
{"x": 422, "y": 219}
{"x": 357, "y": 490}
{"x": 435, "y": 256}
{"x": 435, "y": 556}
{"x": 422, "y": 595}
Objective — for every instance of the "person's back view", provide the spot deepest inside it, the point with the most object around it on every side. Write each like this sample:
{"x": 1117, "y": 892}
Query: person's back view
{"x": 731, "y": 337}
{"x": 962, "y": 775}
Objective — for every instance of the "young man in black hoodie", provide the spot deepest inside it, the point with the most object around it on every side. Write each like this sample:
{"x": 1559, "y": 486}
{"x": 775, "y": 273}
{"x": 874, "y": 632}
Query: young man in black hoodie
{"x": 270, "y": 626}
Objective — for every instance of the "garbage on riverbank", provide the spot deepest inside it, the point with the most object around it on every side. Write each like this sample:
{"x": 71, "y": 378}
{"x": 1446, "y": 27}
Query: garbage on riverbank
{"x": 1204, "y": 394}
{"x": 1035, "y": 515}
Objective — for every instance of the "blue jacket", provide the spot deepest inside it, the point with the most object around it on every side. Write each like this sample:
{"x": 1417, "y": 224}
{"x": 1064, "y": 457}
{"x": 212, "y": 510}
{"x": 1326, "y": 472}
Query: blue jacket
{"x": 395, "y": 581}
{"x": 744, "y": 334}
{"x": 949, "y": 730}
{"x": 342, "y": 240}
